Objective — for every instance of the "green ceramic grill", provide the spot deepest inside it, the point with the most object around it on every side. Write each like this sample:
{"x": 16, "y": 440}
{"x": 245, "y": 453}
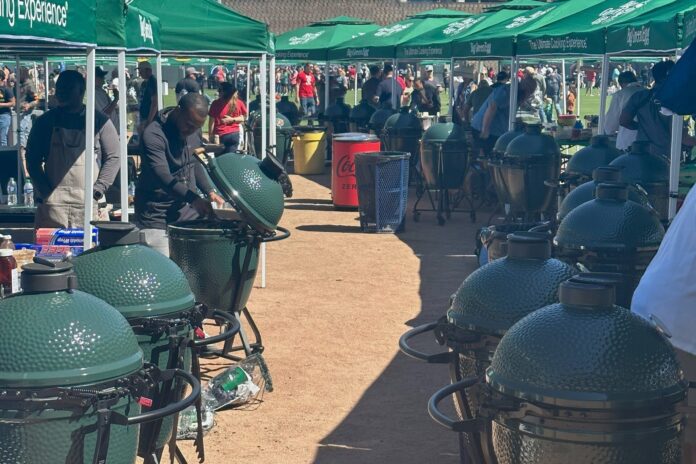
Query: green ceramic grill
{"x": 71, "y": 375}
{"x": 581, "y": 381}
{"x": 490, "y": 301}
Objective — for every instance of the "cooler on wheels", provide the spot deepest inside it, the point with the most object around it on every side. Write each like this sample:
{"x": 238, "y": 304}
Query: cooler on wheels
{"x": 343, "y": 184}
{"x": 382, "y": 190}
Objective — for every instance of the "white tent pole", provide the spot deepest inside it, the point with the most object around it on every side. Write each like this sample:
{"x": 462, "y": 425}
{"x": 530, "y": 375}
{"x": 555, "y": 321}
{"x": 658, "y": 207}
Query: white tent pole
{"x": 326, "y": 87}
{"x": 89, "y": 149}
{"x": 578, "y": 68}
{"x": 18, "y": 112}
{"x": 248, "y": 83}
{"x": 264, "y": 134}
{"x": 394, "y": 103}
{"x": 272, "y": 108}
{"x": 514, "y": 84}
{"x": 45, "y": 64}
{"x": 158, "y": 77}
{"x": 355, "y": 90}
{"x": 675, "y": 160}
{"x": 604, "y": 88}
{"x": 564, "y": 95}
{"x": 123, "y": 132}
{"x": 451, "y": 89}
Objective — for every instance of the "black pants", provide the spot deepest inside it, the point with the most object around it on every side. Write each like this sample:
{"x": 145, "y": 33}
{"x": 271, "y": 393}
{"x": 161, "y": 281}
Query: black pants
{"x": 230, "y": 141}
{"x": 483, "y": 146}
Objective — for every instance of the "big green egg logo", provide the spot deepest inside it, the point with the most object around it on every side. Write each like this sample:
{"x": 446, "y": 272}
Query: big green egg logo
{"x": 612, "y": 14}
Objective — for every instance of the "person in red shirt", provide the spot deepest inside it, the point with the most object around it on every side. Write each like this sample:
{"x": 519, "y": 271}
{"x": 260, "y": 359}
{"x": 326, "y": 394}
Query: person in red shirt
{"x": 226, "y": 113}
{"x": 307, "y": 90}
{"x": 400, "y": 80}
{"x": 590, "y": 79}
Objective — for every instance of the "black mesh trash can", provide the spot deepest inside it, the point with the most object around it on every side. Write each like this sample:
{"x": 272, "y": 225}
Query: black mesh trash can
{"x": 382, "y": 179}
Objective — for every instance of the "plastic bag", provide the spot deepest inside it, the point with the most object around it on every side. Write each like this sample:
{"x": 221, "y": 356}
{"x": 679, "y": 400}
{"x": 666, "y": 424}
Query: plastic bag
{"x": 237, "y": 385}
{"x": 188, "y": 423}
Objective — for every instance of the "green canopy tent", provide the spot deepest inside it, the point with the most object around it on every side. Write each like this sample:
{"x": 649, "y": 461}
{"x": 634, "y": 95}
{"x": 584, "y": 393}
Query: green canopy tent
{"x": 63, "y": 27}
{"x": 516, "y": 5}
{"x": 313, "y": 42}
{"x": 584, "y": 33}
{"x": 383, "y": 42}
{"x": 664, "y": 30}
{"x": 207, "y": 28}
{"x": 437, "y": 42}
{"x": 499, "y": 40}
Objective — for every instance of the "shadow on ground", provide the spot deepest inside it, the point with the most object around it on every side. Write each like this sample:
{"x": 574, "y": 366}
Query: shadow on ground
{"x": 446, "y": 258}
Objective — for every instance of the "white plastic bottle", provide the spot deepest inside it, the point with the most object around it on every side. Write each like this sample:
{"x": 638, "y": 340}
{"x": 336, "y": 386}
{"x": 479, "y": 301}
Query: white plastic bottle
{"x": 28, "y": 193}
{"x": 11, "y": 192}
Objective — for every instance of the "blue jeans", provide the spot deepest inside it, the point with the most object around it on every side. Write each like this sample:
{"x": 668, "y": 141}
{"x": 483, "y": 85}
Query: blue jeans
{"x": 5, "y": 123}
{"x": 308, "y": 106}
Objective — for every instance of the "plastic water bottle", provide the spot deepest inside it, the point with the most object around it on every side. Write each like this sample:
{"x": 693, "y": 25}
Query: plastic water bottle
{"x": 28, "y": 193}
{"x": 131, "y": 192}
{"x": 11, "y": 192}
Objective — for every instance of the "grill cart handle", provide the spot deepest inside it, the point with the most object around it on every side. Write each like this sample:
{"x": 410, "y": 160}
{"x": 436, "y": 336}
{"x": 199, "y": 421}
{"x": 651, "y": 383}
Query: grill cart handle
{"x": 171, "y": 408}
{"x": 475, "y": 425}
{"x": 233, "y": 329}
{"x": 284, "y": 233}
{"x": 438, "y": 358}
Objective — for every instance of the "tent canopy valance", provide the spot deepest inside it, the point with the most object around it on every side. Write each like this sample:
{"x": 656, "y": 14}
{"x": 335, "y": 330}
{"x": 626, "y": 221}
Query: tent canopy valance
{"x": 206, "y": 27}
{"x": 499, "y": 40}
{"x": 663, "y": 30}
{"x": 382, "y": 43}
{"x": 313, "y": 42}
{"x": 142, "y": 31}
{"x": 437, "y": 43}
{"x": 62, "y": 24}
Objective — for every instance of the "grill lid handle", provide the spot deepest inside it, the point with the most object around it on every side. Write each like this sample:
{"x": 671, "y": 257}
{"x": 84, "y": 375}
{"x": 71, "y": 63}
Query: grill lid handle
{"x": 43, "y": 276}
{"x": 606, "y": 174}
{"x": 117, "y": 233}
{"x": 587, "y": 292}
{"x": 529, "y": 245}
{"x": 615, "y": 191}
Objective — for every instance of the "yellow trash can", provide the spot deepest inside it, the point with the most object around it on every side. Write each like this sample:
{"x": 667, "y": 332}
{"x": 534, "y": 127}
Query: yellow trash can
{"x": 309, "y": 148}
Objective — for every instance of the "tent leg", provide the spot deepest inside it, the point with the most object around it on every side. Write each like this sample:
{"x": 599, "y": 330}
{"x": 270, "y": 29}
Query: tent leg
{"x": 394, "y": 103}
{"x": 564, "y": 95}
{"x": 248, "y": 84}
{"x": 514, "y": 84}
{"x": 578, "y": 68}
{"x": 355, "y": 84}
{"x": 327, "y": 87}
{"x": 123, "y": 133}
{"x": 89, "y": 149}
{"x": 451, "y": 89}
{"x": 46, "y": 77}
{"x": 18, "y": 112}
{"x": 264, "y": 144}
{"x": 604, "y": 88}
{"x": 160, "y": 89}
{"x": 272, "y": 107}
{"x": 675, "y": 161}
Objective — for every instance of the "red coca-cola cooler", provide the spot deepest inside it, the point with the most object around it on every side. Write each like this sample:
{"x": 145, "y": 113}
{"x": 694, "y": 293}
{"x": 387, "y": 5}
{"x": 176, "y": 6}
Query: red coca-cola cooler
{"x": 344, "y": 188}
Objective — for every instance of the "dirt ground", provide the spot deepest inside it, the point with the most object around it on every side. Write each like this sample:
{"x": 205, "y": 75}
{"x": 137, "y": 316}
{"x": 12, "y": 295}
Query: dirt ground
{"x": 336, "y": 303}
